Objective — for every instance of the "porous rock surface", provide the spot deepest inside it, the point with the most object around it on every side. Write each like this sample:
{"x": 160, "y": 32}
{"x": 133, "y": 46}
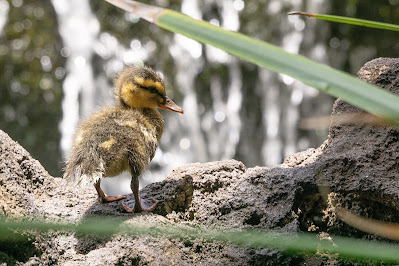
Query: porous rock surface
{"x": 358, "y": 162}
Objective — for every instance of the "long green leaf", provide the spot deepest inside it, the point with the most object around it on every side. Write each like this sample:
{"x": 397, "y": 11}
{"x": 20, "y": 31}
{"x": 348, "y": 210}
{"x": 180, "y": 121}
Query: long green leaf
{"x": 319, "y": 76}
{"x": 294, "y": 242}
{"x": 353, "y": 21}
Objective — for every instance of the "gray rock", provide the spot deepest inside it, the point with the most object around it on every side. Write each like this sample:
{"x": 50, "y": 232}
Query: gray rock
{"x": 358, "y": 162}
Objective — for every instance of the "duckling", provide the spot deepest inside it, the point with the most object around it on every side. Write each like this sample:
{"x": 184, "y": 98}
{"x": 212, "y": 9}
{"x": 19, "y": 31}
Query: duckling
{"x": 123, "y": 137}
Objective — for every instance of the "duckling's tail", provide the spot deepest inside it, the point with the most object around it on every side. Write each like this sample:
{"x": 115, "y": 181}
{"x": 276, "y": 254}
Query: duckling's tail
{"x": 84, "y": 167}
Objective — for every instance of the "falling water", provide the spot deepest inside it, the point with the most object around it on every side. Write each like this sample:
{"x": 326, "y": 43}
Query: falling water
{"x": 205, "y": 132}
{"x": 79, "y": 82}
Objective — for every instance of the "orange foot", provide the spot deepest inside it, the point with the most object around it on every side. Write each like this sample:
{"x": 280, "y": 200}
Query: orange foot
{"x": 106, "y": 199}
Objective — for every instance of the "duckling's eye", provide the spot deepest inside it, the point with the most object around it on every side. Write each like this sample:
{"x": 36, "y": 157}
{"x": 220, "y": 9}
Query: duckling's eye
{"x": 152, "y": 90}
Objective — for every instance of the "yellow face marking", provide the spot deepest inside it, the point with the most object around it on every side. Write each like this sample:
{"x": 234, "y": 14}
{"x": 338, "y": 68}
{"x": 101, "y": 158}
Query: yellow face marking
{"x": 126, "y": 95}
{"x": 138, "y": 98}
{"x": 150, "y": 83}
{"x": 108, "y": 144}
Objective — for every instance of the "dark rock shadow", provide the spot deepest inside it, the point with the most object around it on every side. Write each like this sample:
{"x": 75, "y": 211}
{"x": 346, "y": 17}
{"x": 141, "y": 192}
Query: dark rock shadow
{"x": 16, "y": 247}
{"x": 171, "y": 195}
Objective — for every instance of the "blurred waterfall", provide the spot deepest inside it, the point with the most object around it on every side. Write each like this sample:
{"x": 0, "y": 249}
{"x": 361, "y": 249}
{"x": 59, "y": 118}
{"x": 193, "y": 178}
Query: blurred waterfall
{"x": 78, "y": 28}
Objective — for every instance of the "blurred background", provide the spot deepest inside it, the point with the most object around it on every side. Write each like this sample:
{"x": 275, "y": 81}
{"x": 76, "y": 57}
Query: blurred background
{"x": 58, "y": 60}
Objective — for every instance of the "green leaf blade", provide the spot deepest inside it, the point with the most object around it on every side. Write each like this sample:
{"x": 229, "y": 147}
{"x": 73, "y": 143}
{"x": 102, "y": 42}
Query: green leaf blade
{"x": 329, "y": 80}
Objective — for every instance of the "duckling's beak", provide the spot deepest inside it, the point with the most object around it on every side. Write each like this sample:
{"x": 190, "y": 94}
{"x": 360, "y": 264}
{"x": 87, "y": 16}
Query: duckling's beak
{"x": 168, "y": 104}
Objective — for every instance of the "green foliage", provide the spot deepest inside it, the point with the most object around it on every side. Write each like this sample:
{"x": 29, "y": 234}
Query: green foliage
{"x": 344, "y": 248}
{"x": 321, "y": 77}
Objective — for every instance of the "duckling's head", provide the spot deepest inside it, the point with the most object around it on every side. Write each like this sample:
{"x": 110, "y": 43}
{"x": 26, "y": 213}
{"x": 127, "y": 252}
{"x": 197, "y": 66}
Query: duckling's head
{"x": 142, "y": 87}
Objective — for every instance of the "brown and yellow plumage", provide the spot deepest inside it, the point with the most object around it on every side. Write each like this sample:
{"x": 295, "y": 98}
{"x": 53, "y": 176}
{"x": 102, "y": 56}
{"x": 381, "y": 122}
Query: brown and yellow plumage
{"x": 123, "y": 137}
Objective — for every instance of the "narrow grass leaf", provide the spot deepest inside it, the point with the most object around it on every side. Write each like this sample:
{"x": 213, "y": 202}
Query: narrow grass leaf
{"x": 256, "y": 238}
{"x": 352, "y": 21}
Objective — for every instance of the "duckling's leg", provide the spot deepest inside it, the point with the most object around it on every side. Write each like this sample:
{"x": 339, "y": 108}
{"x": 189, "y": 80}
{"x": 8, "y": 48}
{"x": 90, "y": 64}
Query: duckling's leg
{"x": 104, "y": 198}
{"x": 139, "y": 206}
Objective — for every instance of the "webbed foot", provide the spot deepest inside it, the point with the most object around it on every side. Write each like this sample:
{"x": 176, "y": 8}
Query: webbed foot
{"x": 140, "y": 206}
{"x": 106, "y": 199}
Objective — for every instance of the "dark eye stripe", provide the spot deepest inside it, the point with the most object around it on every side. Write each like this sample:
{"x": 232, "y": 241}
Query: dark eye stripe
{"x": 150, "y": 89}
